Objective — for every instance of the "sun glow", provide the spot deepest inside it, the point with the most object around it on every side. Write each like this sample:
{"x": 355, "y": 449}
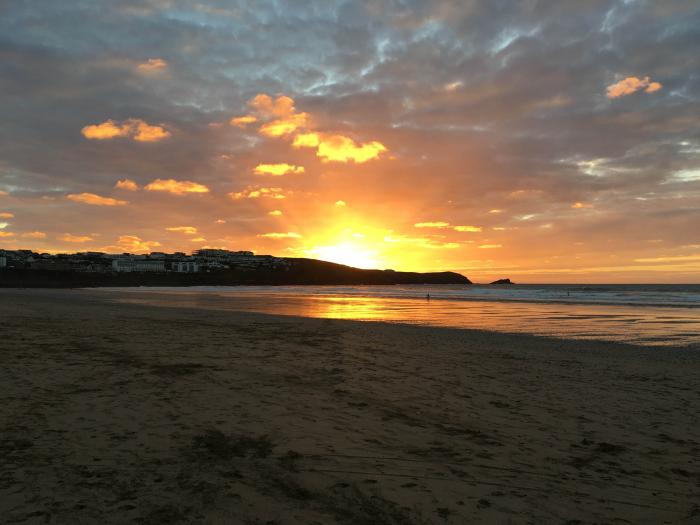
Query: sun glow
{"x": 350, "y": 253}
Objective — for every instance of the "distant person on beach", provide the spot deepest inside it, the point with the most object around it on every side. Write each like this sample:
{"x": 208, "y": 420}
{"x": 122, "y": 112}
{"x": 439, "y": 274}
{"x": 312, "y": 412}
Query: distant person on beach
{"x": 427, "y": 297}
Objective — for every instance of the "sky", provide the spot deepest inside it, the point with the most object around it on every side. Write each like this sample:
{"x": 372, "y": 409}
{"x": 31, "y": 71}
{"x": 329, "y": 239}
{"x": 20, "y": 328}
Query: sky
{"x": 545, "y": 141}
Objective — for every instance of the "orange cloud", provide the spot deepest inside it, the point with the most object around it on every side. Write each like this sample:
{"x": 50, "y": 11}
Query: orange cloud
{"x": 338, "y": 148}
{"x": 95, "y": 200}
{"x": 135, "y": 129}
{"x": 284, "y": 126}
{"x": 143, "y": 132}
{"x": 243, "y": 121}
{"x": 177, "y": 187}
{"x": 436, "y": 224}
{"x": 306, "y": 140}
{"x": 490, "y": 246}
{"x": 280, "y": 114}
{"x": 104, "y": 131}
{"x": 630, "y": 85}
{"x": 75, "y": 238}
{"x": 258, "y": 192}
{"x": 132, "y": 243}
{"x": 152, "y": 64}
{"x": 277, "y": 169}
{"x": 187, "y": 230}
{"x": 467, "y": 228}
{"x": 275, "y": 213}
{"x": 34, "y": 235}
{"x": 3, "y": 193}
{"x": 275, "y": 235}
{"x": 495, "y": 211}
{"x": 283, "y": 106}
{"x": 581, "y": 205}
{"x": 6, "y": 234}
{"x": 126, "y": 184}
{"x": 281, "y": 118}
{"x": 340, "y": 204}
{"x": 6, "y": 215}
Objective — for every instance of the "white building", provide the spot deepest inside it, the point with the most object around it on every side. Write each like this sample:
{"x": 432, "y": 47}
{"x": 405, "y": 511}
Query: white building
{"x": 185, "y": 267}
{"x": 131, "y": 265}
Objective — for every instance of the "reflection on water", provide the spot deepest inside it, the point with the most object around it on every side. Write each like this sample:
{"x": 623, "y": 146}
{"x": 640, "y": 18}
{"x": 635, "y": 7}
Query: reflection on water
{"x": 649, "y": 325}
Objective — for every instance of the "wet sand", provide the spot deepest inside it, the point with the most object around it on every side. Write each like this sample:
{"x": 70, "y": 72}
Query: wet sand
{"x": 117, "y": 413}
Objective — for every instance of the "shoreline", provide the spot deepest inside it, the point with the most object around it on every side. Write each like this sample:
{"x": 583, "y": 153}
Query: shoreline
{"x": 121, "y": 413}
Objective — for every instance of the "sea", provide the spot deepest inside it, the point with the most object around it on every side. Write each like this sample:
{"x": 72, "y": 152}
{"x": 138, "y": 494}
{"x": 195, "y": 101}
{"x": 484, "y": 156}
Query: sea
{"x": 639, "y": 314}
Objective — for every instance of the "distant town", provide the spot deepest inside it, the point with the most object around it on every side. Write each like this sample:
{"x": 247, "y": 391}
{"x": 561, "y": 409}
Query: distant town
{"x": 205, "y": 260}
{"x": 205, "y": 267}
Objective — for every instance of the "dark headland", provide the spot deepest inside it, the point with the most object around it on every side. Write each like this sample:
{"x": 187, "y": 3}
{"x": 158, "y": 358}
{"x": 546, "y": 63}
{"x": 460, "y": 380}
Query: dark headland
{"x": 503, "y": 281}
{"x": 201, "y": 269}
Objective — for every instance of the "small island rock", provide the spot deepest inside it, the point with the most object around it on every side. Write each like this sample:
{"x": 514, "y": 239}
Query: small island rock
{"x": 502, "y": 281}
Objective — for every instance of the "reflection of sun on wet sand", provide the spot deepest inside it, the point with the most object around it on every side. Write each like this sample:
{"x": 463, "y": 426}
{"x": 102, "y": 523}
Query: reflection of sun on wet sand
{"x": 118, "y": 413}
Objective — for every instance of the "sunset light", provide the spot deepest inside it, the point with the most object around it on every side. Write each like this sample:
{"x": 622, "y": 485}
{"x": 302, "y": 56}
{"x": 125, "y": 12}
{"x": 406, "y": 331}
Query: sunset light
{"x": 350, "y": 262}
{"x": 447, "y": 146}
{"x": 349, "y": 253}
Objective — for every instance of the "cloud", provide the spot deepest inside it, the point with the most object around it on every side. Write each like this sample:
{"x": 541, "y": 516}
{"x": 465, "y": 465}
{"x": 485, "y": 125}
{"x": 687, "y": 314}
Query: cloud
{"x": 256, "y": 192}
{"x": 581, "y": 205}
{"x": 281, "y": 119}
{"x": 243, "y": 121}
{"x": 106, "y": 130}
{"x": 132, "y": 243}
{"x": 68, "y": 237}
{"x": 284, "y": 126}
{"x": 277, "y": 169}
{"x": 339, "y": 148}
{"x": 669, "y": 258}
{"x": 187, "y": 230}
{"x": 6, "y": 215}
{"x": 275, "y": 213}
{"x": 34, "y": 235}
{"x": 6, "y": 234}
{"x": 136, "y": 129}
{"x": 340, "y": 204}
{"x": 3, "y": 193}
{"x": 4, "y": 225}
{"x": 490, "y": 246}
{"x": 280, "y": 116}
{"x": 282, "y": 106}
{"x": 306, "y": 140}
{"x": 495, "y": 210}
{"x": 144, "y": 132}
{"x": 286, "y": 235}
{"x": 152, "y": 64}
{"x": 630, "y": 85}
{"x": 176, "y": 187}
{"x": 467, "y": 228}
{"x": 126, "y": 184}
{"x": 95, "y": 200}
{"x": 436, "y": 224}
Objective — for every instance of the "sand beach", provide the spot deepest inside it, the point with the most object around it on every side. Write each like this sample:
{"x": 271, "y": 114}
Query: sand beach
{"x": 115, "y": 413}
